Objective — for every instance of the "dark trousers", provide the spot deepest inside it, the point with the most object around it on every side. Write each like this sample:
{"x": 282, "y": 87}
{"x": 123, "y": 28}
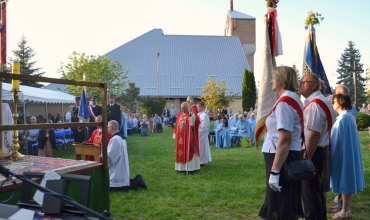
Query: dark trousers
{"x": 132, "y": 186}
{"x": 31, "y": 150}
{"x": 172, "y": 122}
{"x": 79, "y": 135}
{"x": 312, "y": 190}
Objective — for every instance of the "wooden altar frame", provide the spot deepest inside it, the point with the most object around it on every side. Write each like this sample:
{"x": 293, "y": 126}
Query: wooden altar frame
{"x": 103, "y": 86}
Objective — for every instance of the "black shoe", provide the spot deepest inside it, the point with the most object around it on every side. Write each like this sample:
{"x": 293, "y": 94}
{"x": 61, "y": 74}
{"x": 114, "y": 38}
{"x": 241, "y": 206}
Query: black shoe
{"x": 140, "y": 182}
{"x": 202, "y": 165}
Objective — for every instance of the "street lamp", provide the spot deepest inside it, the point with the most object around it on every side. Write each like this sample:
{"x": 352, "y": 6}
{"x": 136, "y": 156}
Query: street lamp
{"x": 157, "y": 82}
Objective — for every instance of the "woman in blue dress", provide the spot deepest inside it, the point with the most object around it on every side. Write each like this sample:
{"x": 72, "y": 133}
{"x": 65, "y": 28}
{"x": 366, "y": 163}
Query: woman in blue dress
{"x": 124, "y": 123}
{"x": 217, "y": 135}
{"x": 223, "y": 130}
{"x": 244, "y": 128}
{"x": 347, "y": 175}
{"x": 252, "y": 122}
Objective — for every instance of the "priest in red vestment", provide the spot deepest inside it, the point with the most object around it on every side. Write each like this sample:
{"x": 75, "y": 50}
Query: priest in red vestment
{"x": 186, "y": 140}
{"x": 96, "y": 137}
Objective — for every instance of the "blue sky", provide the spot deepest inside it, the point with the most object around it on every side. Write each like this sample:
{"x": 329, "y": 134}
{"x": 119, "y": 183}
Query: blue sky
{"x": 56, "y": 28}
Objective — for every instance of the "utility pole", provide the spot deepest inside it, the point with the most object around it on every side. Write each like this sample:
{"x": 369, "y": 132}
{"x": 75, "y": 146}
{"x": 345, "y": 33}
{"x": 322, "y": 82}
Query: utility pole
{"x": 354, "y": 82}
{"x": 157, "y": 82}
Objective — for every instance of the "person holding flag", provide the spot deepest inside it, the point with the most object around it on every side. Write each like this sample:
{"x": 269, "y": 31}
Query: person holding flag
{"x": 95, "y": 110}
{"x": 83, "y": 115}
{"x": 78, "y": 133}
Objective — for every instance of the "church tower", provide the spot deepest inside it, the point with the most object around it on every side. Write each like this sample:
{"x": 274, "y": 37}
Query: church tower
{"x": 243, "y": 26}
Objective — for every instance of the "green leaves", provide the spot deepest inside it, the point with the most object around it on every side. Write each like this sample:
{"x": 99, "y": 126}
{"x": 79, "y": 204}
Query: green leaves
{"x": 248, "y": 90}
{"x": 215, "y": 96}
{"x": 96, "y": 69}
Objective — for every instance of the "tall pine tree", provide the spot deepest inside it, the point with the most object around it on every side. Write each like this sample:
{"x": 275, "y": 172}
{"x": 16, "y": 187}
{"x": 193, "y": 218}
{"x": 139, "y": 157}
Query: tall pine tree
{"x": 24, "y": 55}
{"x": 248, "y": 90}
{"x": 346, "y": 68}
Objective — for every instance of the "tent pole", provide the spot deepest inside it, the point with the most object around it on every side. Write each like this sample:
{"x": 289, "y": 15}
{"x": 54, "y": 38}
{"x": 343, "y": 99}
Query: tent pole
{"x": 24, "y": 112}
{"x": 46, "y": 110}
{"x": 62, "y": 112}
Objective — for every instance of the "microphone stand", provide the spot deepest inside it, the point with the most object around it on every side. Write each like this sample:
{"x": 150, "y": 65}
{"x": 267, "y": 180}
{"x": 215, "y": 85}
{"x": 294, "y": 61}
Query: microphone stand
{"x": 8, "y": 174}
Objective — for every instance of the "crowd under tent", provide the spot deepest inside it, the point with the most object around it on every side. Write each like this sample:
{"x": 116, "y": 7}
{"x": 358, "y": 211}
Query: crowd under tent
{"x": 35, "y": 101}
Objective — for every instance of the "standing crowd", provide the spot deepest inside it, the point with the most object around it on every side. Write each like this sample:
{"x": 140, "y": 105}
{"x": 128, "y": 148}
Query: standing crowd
{"x": 324, "y": 130}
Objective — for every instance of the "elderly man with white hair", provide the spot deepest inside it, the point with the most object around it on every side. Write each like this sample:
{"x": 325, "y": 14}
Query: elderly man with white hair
{"x": 31, "y": 137}
{"x": 186, "y": 141}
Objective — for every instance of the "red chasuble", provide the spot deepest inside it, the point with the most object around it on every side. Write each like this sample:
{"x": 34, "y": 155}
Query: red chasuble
{"x": 96, "y": 139}
{"x": 186, "y": 137}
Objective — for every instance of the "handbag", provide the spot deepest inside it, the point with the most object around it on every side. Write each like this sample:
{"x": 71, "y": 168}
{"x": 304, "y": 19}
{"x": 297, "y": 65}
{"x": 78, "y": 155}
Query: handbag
{"x": 298, "y": 170}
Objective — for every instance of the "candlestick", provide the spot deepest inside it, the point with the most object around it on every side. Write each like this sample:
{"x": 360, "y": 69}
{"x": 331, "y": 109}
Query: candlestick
{"x": 16, "y": 70}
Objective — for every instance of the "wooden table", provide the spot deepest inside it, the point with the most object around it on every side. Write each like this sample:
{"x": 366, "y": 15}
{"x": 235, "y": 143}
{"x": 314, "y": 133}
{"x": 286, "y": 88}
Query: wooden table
{"x": 83, "y": 149}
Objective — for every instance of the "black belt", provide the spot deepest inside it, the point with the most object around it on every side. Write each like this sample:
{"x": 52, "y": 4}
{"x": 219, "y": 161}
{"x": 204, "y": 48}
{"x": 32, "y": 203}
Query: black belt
{"x": 322, "y": 146}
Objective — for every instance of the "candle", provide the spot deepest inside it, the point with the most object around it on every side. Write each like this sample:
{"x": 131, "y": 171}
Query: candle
{"x": 16, "y": 70}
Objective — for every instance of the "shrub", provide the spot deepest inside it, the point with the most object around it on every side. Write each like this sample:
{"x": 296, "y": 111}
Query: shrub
{"x": 363, "y": 121}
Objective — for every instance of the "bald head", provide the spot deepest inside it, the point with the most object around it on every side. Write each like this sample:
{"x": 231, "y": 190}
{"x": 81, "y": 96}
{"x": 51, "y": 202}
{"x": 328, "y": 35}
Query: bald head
{"x": 309, "y": 84}
{"x": 185, "y": 107}
{"x": 341, "y": 89}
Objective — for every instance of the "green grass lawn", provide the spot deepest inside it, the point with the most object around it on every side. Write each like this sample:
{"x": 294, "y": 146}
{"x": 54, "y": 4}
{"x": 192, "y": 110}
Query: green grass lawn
{"x": 232, "y": 186}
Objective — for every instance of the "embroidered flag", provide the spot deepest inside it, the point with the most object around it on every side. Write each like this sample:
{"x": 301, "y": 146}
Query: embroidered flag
{"x": 266, "y": 97}
{"x": 312, "y": 63}
{"x": 84, "y": 114}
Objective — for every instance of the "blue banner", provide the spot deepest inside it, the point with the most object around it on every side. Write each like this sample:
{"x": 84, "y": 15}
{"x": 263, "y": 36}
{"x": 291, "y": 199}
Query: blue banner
{"x": 84, "y": 114}
{"x": 312, "y": 62}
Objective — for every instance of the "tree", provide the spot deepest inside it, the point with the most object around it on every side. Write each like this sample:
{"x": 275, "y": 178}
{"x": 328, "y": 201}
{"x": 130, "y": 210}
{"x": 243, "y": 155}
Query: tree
{"x": 214, "y": 94}
{"x": 248, "y": 90}
{"x": 96, "y": 69}
{"x": 346, "y": 68}
{"x": 129, "y": 96}
{"x": 152, "y": 105}
{"x": 24, "y": 55}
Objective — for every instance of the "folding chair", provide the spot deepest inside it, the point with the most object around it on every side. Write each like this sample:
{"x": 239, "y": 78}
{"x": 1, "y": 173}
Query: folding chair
{"x": 68, "y": 137}
{"x": 59, "y": 137}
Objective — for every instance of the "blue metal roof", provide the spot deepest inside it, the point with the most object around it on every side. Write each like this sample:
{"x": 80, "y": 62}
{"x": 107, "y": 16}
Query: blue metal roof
{"x": 184, "y": 63}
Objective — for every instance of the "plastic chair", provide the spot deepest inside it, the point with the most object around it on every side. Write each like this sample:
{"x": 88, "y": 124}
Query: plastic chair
{"x": 68, "y": 136}
{"x": 60, "y": 138}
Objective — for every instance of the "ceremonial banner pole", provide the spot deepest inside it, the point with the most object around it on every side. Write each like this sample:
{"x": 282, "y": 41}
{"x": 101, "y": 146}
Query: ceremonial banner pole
{"x": 272, "y": 48}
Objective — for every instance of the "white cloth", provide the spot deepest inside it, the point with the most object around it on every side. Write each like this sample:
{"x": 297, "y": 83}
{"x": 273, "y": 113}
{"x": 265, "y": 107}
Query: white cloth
{"x": 69, "y": 117}
{"x": 283, "y": 117}
{"x": 119, "y": 170}
{"x": 6, "y": 120}
{"x": 135, "y": 121}
{"x": 194, "y": 164}
{"x": 203, "y": 131}
{"x": 315, "y": 118}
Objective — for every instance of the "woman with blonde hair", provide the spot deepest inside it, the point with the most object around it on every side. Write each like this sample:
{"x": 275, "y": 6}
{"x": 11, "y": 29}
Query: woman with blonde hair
{"x": 283, "y": 199}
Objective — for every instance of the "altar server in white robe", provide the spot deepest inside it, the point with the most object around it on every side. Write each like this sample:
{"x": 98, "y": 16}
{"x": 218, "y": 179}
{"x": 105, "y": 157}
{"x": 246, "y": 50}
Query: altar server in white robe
{"x": 6, "y": 120}
{"x": 118, "y": 164}
{"x": 203, "y": 131}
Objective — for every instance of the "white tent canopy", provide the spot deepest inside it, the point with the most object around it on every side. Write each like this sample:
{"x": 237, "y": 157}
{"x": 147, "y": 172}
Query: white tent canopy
{"x": 32, "y": 94}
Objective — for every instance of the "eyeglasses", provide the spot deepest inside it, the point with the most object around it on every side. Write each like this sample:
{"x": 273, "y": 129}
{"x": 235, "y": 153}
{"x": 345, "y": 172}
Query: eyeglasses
{"x": 303, "y": 82}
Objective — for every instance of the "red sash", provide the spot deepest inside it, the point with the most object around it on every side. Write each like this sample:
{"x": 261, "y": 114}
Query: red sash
{"x": 290, "y": 101}
{"x": 326, "y": 111}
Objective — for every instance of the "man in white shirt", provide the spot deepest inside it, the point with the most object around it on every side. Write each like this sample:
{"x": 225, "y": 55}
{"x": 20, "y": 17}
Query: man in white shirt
{"x": 319, "y": 116}
{"x": 203, "y": 131}
{"x": 118, "y": 164}
{"x": 31, "y": 138}
{"x": 69, "y": 114}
